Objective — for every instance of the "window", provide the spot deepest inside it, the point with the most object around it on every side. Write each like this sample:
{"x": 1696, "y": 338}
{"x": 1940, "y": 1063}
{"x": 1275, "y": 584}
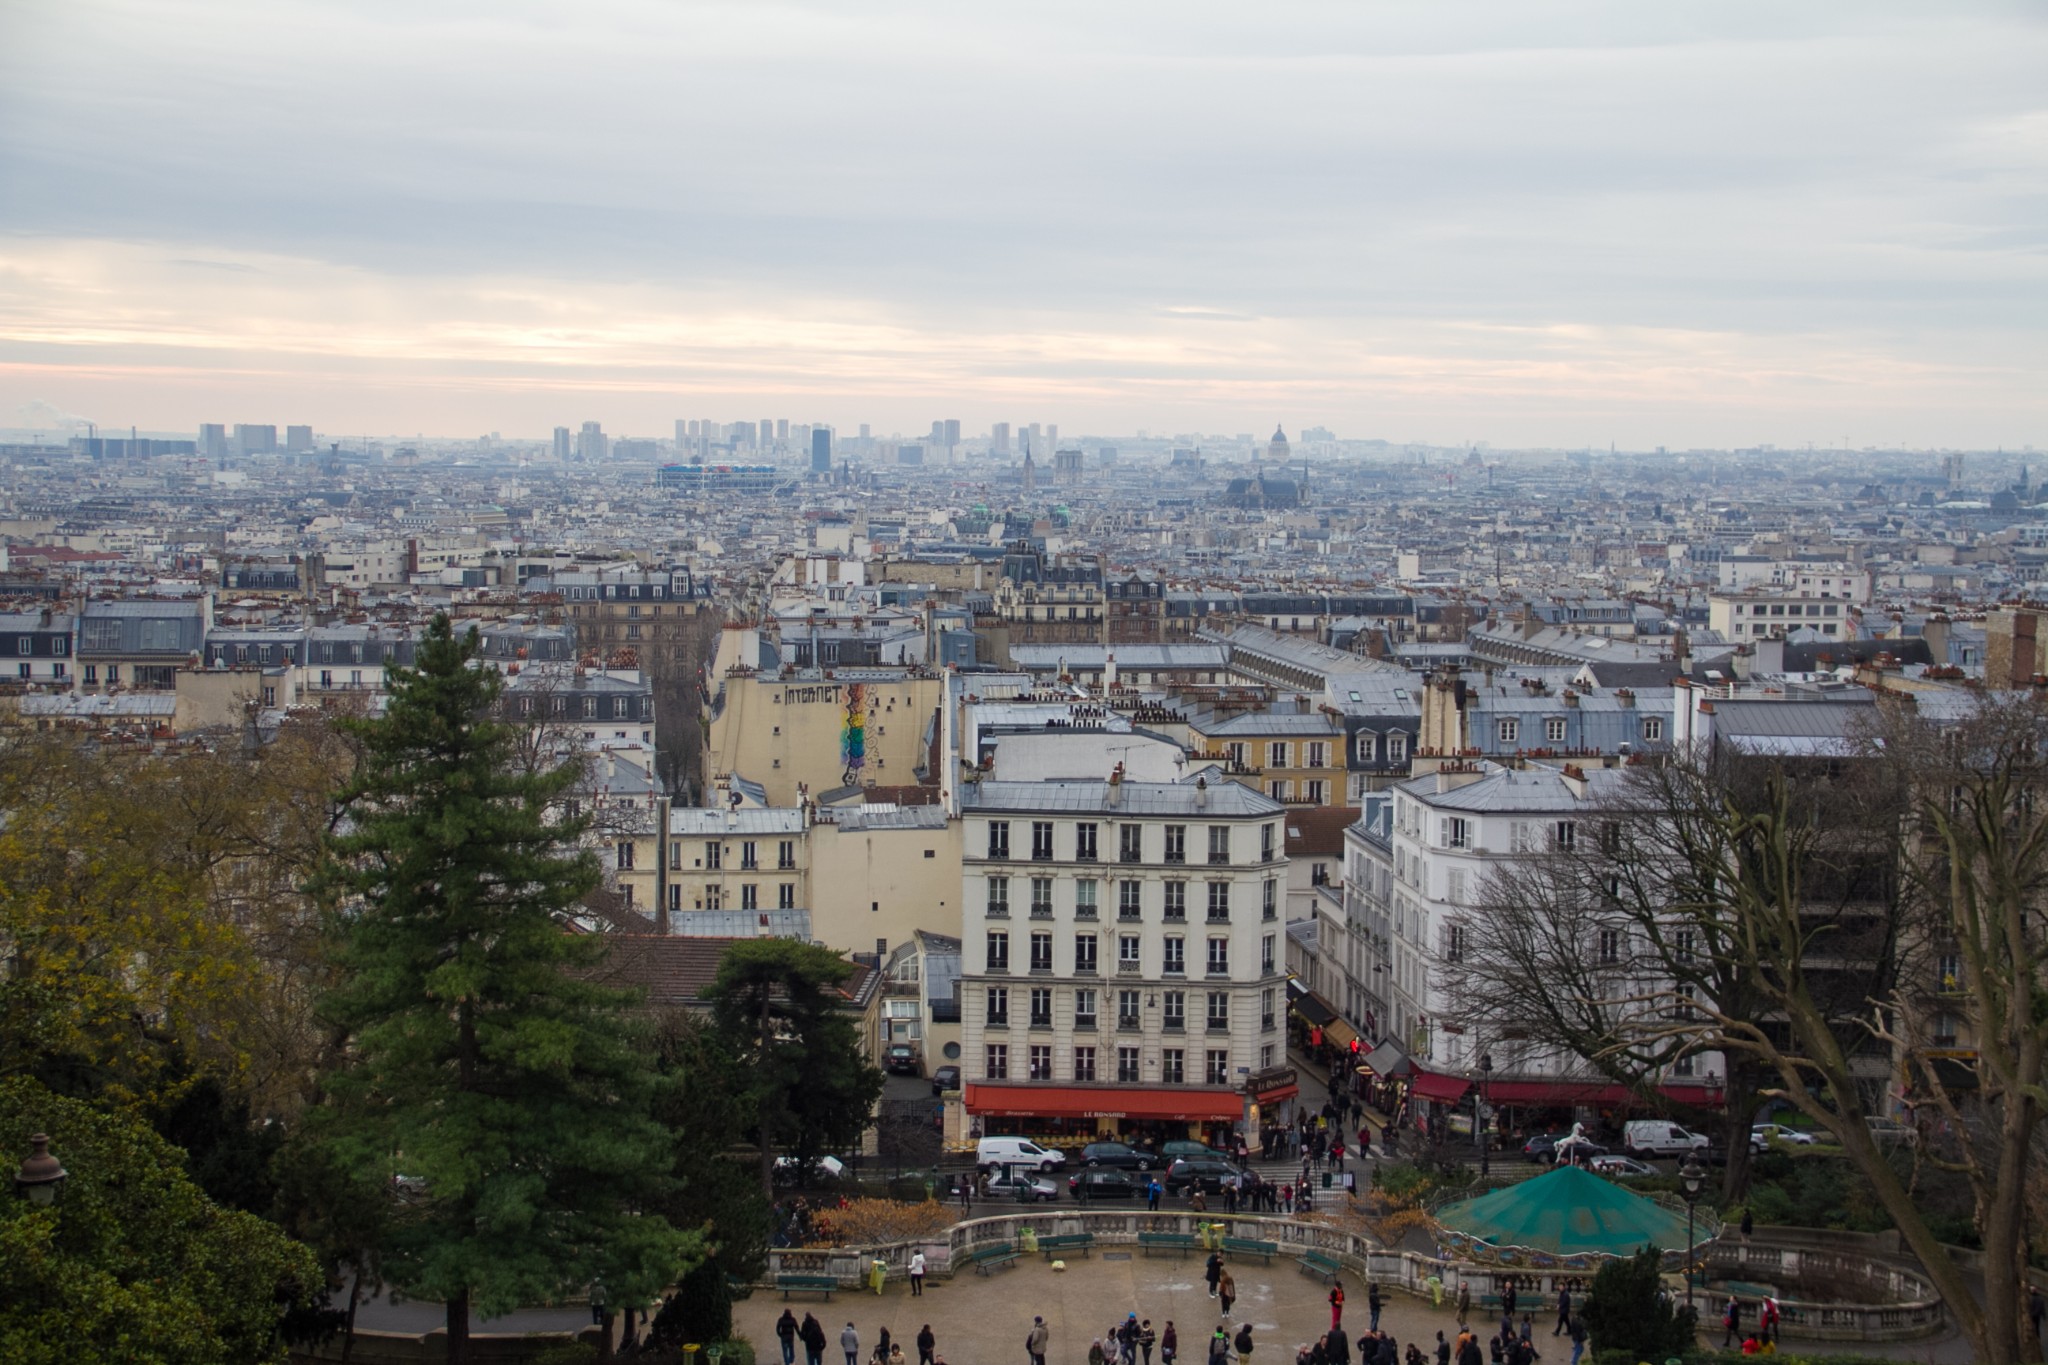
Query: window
{"x": 1510, "y": 731}
{"x": 998, "y": 1006}
{"x": 750, "y": 897}
{"x": 1173, "y": 1066}
{"x": 1397, "y": 748}
{"x": 1041, "y": 841}
{"x": 1041, "y": 898}
{"x": 1277, "y": 756}
{"x": 1084, "y": 1063}
{"x": 1218, "y": 1068}
{"x": 1553, "y": 730}
{"x": 1174, "y": 1010}
{"x": 1610, "y": 945}
{"x": 27, "y": 670}
{"x": 1682, "y": 944}
{"x": 1084, "y": 953}
{"x": 1942, "y": 1030}
{"x": 1564, "y": 834}
{"x": 785, "y": 854}
{"x": 1084, "y": 1008}
{"x": 24, "y": 645}
{"x": 1176, "y": 843}
{"x": 1041, "y": 952}
{"x": 1949, "y": 970}
{"x": 1176, "y": 900}
{"x": 1084, "y": 898}
{"x": 1127, "y": 1002}
{"x": 1129, "y": 899}
{"x": 1653, "y": 730}
{"x": 785, "y": 896}
{"x": 998, "y": 951}
{"x": 1127, "y": 1065}
{"x": 1219, "y": 902}
{"x": 1041, "y": 1007}
{"x": 999, "y": 838}
{"x": 1130, "y": 843}
{"x": 1266, "y": 1010}
{"x": 1266, "y": 949}
{"x": 1455, "y": 832}
{"x": 714, "y": 856}
{"x": 1318, "y": 755}
{"x": 1682, "y": 1066}
{"x": 997, "y": 1067}
{"x": 1219, "y": 1011}
{"x": 1219, "y": 956}
{"x": 1084, "y": 842}
{"x": 749, "y": 857}
{"x": 1219, "y": 843}
{"x": 1365, "y": 748}
{"x": 625, "y": 855}
{"x": 1313, "y": 791}
{"x": 1127, "y": 953}
{"x": 1271, "y": 908}
{"x": 999, "y": 897}
{"x": 1267, "y": 841}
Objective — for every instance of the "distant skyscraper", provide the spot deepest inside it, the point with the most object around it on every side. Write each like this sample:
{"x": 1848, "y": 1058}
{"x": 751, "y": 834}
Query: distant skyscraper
{"x": 682, "y": 432}
{"x": 767, "y": 432}
{"x": 864, "y": 433}
{"x": 821, "y": 450}
{"x": 298, "y": 438}
{"x": 1052, "y": 436}
{"x": 213, "y": 440}
{"x": 1031, "y": 436}
{"x": 999, "y": 438}
{"x": 782, "y": 428}
{"x": 938, "y": 437}
{"x": 562, "y": 444}
{"x": 952, "y": 431}
{"x": 590, "y": 443}
{"x": 255, "y": 439}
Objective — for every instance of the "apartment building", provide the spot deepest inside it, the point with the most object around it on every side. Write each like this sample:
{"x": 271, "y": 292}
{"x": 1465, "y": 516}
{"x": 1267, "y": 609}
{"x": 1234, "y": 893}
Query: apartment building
{"x": 38, "y": 645}
{"x": 1122, "y": 962}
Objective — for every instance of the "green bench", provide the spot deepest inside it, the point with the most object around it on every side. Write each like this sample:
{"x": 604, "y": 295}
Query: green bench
{"x": 1322, "y": 1266}
{"x": 1183, "y": 1242}
{"x": 806, "y": 1284}
{"x": 1246, "y": 1246}
{"x": 1066, "y": 1241}
{"x": 991, "y": 1258}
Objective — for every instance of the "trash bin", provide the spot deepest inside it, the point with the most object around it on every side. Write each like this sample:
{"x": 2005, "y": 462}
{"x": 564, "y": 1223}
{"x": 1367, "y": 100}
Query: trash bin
{"x": 1027, "y": 1239}
{"x": 690, "y": 1350}
{"x": 1326, "y": 1180}
{"x": 1212, "y": 1235}
{"x": 878, "y": 1273}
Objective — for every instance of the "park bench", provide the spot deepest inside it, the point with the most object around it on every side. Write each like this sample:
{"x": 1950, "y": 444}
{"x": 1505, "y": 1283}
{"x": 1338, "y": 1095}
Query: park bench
{"x": 1324, "y": 1267}
{"x": 1246, "y": 1246}
{"x": 1183, "y": 1242}
{"x": 990, "y": 1258}
{"x": 806, "y": 1284}
{"x": 1066, "y": 1241}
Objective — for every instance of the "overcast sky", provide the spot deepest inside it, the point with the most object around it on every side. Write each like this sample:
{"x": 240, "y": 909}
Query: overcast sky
{"x": 1657, "y": 224}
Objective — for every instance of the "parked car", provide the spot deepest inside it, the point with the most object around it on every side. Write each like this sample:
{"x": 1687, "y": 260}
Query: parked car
{"x": 992, "y": 1152}
{"x": 1764, "y": 1134}
{"x": 1891, "y": 1133}
{"x": 1118, "y": 1154}
{"x": 1101, "y": 1184}
{"x": 1623, "y": 1166}
{"x": 1543, "y": 1147}
{"x": 901, "y": 1059}
{"x": 945, "y": 1078}
{"x": 1172, "y": 1150}
{"x": 1208, "y": 1172}
{"x": 1022, "y": 1185}
{"x": 1660, "y": 1137}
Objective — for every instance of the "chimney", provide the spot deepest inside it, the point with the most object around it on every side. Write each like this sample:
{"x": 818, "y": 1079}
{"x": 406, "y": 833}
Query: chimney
{"x": 1934, "y": 631}
{"x": 1201, "y": 792}
{"x": 1571, "y": 698}
{"x": 1116, "y": 786}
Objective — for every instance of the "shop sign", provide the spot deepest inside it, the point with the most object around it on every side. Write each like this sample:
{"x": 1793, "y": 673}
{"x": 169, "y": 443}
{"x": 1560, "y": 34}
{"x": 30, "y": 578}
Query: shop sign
{"x": 1271, "y": 1079}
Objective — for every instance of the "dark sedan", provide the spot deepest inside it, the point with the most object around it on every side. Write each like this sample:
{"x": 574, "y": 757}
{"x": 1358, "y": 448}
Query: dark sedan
{"x": 1101, "y": 1184}
{"x": 1543, "y": 1147}
{"x": 1118, "y": 1154}
{"x": 1210, "y": 1173}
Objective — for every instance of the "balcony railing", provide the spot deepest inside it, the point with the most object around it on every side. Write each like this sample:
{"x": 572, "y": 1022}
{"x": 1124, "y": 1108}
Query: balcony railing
{"x": 1128, "y": 968}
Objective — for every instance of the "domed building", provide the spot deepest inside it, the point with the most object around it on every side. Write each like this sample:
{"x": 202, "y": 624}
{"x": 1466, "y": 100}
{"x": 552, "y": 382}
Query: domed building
{"x": 1277, "y": 449}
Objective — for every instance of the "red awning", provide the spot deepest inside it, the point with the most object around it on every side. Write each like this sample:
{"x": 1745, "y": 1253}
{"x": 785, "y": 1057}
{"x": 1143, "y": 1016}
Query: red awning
{"x": 1285, "y": 1092}
{"x": 1554, "y": 1092}
{"x": 1432, "y": 1085}
{"x": 1105, "y": 1102}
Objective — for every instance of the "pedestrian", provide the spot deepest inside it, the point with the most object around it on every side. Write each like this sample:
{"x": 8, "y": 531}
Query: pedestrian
{"x": 1731, "y": 1322}
{"x": 1337, "y": 1305}
{"x": 1095, "y": 1356}
{"x": 1337, "y": 1155}
{"x": 1169, "y": 1344}
{"x": 1339, "y": 1349}
{"x": 896, "y": 1353}
{"x": 849, "y": 1342}
{"x": 1152, "y": 1195}
{"x": 1230, "y": 1197}
{"x": 1127, "y": 1340}
{"x": 1469, "y": 1353}
{"x": 1748, "y": 1222}
{"x": 785, "y": 1332}
{"x": 1564, "y": 1310}
{"x": 812, "y": 1334}
{"x": 966, "y": 1194}
{"x": 1768, "y": 1321}
{"x": 1213, "y": 1271}
{"x": 882, "y": 1348}
{"x": 1364, "y": 1142}
{"x": 1443, "y": 1350}
{"x": 1244, "y": 1344}
{"x": 917, "y": 1274}
{"x": 2037, "y": 1308}
{"x": 1508, "y": 1295}
{"x": 1226, "y": 1291}
{"x": 1464, "y": 1302}
{"x": 1219, "y": 1346}
{"x": 1198, "y": 1198}
{"x": 1146, "y": 1338}
{"x": 1578, "y": 1339}
{"x": 1035, "y": 1343}
{"x": 1372, "y": 1305}
{"x": 927, "y": 1345}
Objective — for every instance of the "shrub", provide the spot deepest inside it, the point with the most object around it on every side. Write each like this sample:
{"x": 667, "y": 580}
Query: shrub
{"x": 870, "y": 1222}
{"x": 1628, "y": 1310}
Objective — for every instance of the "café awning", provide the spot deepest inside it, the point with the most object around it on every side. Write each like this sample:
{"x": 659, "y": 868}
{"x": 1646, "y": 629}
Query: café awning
{"x": 1102, "y": 1102}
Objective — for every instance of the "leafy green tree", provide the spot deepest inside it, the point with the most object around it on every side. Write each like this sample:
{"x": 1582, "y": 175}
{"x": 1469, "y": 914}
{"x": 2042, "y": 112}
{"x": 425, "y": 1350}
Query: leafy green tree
{"x": 1627, "y": 1309}
{"x": 779, "y": 1007}
{"x": 133, "y": 1263}
{"x": 511, "y": 1092}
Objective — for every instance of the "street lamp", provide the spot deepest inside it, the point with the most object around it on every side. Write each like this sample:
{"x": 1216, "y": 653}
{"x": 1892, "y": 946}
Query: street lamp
{"x": 41, "y": 1175}
{"x": 1485, "y": 1110}
{"x": 1691, "y": 1177}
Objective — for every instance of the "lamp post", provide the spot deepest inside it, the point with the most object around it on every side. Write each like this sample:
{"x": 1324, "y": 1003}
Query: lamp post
{"x": 40, "y": 1175}
{"x": 1691, "y": 1176}
{"x": 1481, "y": 1124}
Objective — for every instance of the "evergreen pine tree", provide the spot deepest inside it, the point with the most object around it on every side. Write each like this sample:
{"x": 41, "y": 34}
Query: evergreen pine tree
{"x": 485, "y": 1065}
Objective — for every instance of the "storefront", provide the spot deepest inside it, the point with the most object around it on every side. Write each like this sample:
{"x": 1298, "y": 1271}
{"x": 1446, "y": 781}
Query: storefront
{"x": 1270, "y": 1097}
{"x": 1068, "y": 1116}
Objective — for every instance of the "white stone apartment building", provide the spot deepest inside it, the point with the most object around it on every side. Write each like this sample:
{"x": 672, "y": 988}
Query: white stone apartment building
{"x": 1122, "y": 958}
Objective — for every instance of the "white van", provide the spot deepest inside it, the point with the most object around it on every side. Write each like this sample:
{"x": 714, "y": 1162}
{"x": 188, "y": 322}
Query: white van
{"x": 1660, "y": 1137}
{"x": 992, "y": 1152}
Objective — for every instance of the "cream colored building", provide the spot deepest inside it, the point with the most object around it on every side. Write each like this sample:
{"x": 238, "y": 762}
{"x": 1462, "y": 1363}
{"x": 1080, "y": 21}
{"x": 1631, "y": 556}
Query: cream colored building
{"x": 711, "y": 860}
{"x": 881, "y": 873}
{"x": 791, "y": 732}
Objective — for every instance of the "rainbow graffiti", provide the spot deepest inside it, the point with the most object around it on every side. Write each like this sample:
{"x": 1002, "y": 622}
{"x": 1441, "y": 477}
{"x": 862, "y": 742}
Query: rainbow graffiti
{"x": 853, "y": 735}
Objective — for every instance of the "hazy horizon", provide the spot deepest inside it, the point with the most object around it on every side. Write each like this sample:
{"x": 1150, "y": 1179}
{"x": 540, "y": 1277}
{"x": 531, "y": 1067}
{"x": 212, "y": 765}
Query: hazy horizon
{"x": 1552, "y": 225}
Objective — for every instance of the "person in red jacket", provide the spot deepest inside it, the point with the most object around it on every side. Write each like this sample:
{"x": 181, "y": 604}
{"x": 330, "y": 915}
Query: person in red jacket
{"x": 1337, "y": 1305}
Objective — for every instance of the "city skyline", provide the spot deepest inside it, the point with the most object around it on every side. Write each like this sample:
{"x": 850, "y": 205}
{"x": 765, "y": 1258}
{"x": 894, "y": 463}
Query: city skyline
{"x": 1553, "y": 227}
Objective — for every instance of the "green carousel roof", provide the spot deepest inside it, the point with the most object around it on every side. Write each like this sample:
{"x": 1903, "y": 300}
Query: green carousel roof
{"x": 1567, "y": 1212}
